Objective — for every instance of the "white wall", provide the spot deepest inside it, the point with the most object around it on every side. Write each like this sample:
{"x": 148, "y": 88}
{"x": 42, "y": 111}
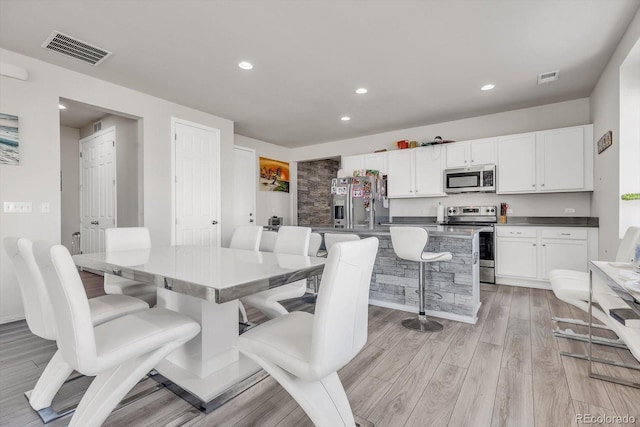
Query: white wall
{"x": 36, "y": 179}
{"x": 70, "y": 197}
{"x": 270, "y": 203}
{"x": 550, "y": 116}
{"x": 605, "y": 116}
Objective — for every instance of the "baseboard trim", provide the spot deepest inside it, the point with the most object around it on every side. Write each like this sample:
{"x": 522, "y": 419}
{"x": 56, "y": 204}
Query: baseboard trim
{"x": 525, "y": 283}
{"x": 12, "y": 318}
{"x": 439, "y": 314}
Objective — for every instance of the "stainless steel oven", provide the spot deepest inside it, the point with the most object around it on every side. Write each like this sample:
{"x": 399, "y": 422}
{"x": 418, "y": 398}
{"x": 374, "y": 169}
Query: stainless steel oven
{"x": 474, "y": 179}
{"x": 485, "y": 216}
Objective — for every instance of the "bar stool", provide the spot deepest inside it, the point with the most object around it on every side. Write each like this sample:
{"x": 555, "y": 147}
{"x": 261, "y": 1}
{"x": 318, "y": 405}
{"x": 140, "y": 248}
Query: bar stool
{"x": 409, "y": 243}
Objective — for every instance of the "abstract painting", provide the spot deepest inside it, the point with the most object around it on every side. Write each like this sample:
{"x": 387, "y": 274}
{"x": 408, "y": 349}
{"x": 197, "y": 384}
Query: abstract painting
{"x": 274, "y": 175}
{"x": 9, "y": 143}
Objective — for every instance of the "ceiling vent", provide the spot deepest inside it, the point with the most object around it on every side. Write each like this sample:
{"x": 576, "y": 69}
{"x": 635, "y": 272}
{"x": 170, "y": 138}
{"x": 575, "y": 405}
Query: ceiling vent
{"x": 75, "y": 48}
{"x": 551, "y": 76}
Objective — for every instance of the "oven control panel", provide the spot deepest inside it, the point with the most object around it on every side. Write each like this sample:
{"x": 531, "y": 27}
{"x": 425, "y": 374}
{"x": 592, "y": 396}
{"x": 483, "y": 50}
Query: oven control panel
{"x": 472, "y": 211}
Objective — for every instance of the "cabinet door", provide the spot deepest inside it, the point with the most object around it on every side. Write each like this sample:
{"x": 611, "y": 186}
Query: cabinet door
{"x": 457, "y": 155}
{"x": 428, "y": 171}
{"x": 351, "y": 163}
{"x": 563, "y": 253}
{"x": 561, "y": 159}
{"x": 516, "y": 164}
{"x": 376, "y": 161}
{"x": 517, "y": 257}
{"x": 483, "y": 151}
{"x": 400, "y": 181}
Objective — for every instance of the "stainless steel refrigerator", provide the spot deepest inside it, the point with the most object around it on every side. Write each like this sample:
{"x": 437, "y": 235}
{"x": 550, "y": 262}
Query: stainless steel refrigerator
{"x": 359, "y": 202}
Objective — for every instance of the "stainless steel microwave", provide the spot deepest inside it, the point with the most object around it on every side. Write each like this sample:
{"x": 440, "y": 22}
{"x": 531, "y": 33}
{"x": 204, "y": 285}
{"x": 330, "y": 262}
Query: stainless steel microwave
{"x": 474, "y": 179}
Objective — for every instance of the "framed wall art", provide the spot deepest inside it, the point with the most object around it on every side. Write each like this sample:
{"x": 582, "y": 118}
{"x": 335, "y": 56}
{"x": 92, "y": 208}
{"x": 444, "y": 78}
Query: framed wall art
{"x": 9, "y": 140}
{"x": 274, "y": 175}
{"x": 605, "y": 142}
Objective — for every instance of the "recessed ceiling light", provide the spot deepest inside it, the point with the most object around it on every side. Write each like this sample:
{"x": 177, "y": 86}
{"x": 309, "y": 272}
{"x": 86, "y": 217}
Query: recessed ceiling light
{"x": 361, "y": 91}
{"x": 62, "y": 107}
{"x": 487, "y": 87}
{"x": 245, "y": 65}
{"x": 345, "y": 118}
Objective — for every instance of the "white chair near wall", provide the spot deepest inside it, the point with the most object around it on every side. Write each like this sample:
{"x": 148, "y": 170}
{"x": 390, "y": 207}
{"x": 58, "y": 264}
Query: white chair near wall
{"x": 304, "y": 351}
{"x": 246, "y": 237}
{"x": 290, "y": 240}
{"x": 39, "y": 313}
{"x": 315, "y": 241}
{"x": 118, "y": 352}
{"x": 126, "y": 239}
{"x": 331, "y": 239}
{"x": 572, "y": 287}
{"x": 268, "y": 241}
{"x": 410, "y": 243}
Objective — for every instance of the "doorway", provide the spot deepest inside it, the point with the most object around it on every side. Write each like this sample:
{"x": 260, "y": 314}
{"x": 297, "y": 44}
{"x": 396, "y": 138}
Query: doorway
{"x": 244, "y": 186}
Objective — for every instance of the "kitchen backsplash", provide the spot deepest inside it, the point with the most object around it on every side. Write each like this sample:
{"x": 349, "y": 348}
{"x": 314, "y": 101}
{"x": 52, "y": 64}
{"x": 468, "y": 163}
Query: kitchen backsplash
{"x": 556, "y": 204}
{"x": 314, "y": 191}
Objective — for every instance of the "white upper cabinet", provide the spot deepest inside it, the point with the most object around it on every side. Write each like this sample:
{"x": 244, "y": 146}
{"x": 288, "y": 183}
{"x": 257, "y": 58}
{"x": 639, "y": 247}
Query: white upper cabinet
{"x": 516, "y": 168}
{"x": 374, "y": 161}
{"x": 547, "y": 161}
{"x": 416, "y": 172}
{"x": 471, "y": 153}
{"x": 401, "y": 177}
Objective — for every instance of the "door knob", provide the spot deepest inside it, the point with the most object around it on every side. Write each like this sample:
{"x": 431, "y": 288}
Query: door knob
{"x": 250, "y": 220}
{"x": 95, "y": 223}
{"x": 214, "y": 222}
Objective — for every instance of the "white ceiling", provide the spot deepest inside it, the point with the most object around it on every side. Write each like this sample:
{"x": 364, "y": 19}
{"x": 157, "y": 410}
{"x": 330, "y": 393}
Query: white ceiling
{"x": 422, "y": 61}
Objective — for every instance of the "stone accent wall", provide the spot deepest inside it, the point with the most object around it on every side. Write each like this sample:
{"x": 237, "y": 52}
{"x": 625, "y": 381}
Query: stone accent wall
{"x": 314, "y": 191}
{"x": 449, "y": 285}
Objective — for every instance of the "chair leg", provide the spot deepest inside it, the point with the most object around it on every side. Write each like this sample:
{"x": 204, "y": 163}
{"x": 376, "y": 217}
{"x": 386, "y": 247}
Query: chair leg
{"x": 53, "y": 377}
{"x": 421, "y": 323}
{"x": 324, "y": 401}
{"x": 110, "y": 387}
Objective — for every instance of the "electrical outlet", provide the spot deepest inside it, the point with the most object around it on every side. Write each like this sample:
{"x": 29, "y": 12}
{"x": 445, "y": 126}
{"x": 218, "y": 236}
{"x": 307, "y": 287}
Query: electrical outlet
{"x": 17, "y": 207}
{"x": 509, "y": 210}
{"x": 569, "y": 210}
{"x": 45, "y": 207}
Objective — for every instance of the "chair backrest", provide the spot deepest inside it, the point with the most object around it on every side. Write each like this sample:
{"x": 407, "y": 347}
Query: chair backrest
{"x": 409, "y": 242}
{"x": 126, "y": 238}
{"x": 268, "y": 241}
{"x": 341, "y": 315}
{"x": 293, "y": 240}
{"x": 37, "y": 306}
{"x": 315, "y": 241}
{"x": 76, "y": 339}
{"x": 246, "y": 237}
{"x": 626, "y": 250}
{"x": 331, "y": 239}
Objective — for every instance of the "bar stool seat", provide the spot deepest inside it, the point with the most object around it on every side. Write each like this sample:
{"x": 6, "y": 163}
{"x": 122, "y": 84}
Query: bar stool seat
{"x": 409, "y": 244}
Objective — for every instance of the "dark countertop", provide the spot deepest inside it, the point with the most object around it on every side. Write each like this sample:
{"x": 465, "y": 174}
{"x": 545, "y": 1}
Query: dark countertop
{"x": 434, "y": 230}
{"x": 552, "y": 221}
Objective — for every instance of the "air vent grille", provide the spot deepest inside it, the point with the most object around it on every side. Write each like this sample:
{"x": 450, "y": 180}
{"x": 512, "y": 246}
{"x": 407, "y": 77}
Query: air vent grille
{"x": 77, "y": 49}
{"x": 551, "y": 76}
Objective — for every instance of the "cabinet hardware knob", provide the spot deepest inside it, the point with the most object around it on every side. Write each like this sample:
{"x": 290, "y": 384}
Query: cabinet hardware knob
{"x": 95, "y": 223}
{"x": 543, "y": 185}
{"x": 544, "y": 246}
{"x": 565, "y": 234}
{"x": 534, "y": 244}
{"x": 533, "y": 185}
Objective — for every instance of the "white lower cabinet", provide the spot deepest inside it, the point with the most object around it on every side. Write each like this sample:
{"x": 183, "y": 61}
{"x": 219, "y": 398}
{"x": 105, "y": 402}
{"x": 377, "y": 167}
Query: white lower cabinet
{"x": 526, "y": 255}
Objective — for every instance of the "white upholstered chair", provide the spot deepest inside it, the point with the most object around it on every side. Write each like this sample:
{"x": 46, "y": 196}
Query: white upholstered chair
{"x": 304, "y": 351}
{"x": 118, "y": 352}
{"x": 294, "y": 241}
{"x": 331, "y": 239}
{"x": 246, "y": 237}
{"x": 315, "y": 241}
{"x": 572, "y": 286}
{"x": 41, "y": 321}
{"x": 268, "y": 241}
{"x": 409, "y": 243}
{"x": 126, "y": 239}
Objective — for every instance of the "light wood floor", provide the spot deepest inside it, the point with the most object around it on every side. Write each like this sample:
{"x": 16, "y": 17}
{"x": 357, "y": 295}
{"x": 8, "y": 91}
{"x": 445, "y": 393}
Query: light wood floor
{"x": 503, "y": 371}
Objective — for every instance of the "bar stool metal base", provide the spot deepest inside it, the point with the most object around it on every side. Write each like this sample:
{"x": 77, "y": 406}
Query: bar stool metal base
{"x": 422, "y": 324}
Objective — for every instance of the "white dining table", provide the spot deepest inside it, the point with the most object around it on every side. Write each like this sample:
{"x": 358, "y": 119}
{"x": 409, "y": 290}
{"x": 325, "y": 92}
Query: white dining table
{"x": 205, "y": 283}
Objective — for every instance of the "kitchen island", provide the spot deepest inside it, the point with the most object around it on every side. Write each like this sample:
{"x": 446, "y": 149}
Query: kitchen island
{"x": 452, "y": 288}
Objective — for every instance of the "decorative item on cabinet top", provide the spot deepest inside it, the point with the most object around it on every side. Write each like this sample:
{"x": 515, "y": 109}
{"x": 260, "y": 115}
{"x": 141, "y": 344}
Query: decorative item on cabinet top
{"x": 605, "y": 142}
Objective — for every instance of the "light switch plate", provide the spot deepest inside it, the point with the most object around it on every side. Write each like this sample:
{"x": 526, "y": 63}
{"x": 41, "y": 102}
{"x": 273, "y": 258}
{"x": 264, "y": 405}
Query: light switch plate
{"x": 17, "y": 207}
{"x": 569, "y": 210}
{"x": 45, "y": 207}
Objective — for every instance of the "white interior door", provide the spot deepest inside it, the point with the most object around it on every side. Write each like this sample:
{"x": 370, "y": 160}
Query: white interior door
{"x": 97, "y": 188}
{"x": 197, "y": 184}
{"x": 244, "y": 186}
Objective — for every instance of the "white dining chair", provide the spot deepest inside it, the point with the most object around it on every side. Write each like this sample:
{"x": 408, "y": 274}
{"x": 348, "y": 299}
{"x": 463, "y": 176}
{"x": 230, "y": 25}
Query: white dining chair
{"x": 126, "y": 239}
{"x": 331, "y": 239}
{"x": 246, "y": 237}
{"x": 304, "y": 351}
{"x": 41, "y": 321}
{"x": 315, "y": 241}
{"x": 290, "y": 240}
{"x": 572, "y": 287}
{"x": 118, "y": 352}
{"x": 268, "y": 241}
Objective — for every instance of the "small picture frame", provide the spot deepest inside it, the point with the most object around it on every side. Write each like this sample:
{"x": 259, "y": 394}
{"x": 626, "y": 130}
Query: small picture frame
{"x": 605, "y": 142}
